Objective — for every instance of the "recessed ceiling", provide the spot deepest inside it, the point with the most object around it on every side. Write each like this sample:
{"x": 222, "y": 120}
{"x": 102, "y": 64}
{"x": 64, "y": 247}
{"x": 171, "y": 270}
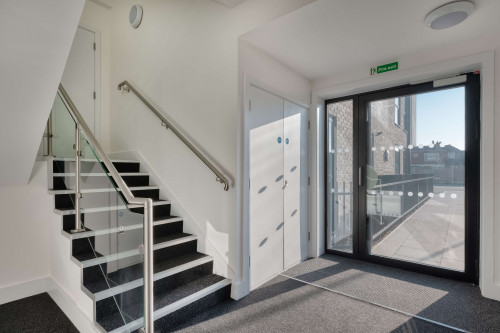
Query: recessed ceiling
{"x": 329, "y": 37}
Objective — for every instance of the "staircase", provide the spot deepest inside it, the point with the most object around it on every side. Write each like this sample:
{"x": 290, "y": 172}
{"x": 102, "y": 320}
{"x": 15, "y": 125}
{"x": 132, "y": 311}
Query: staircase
{"x": 109, "y": 254}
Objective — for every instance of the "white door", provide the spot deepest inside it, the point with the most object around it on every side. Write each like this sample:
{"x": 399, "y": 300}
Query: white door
{"x": 278, "y": 185}
{"x": 79, "y": 75}
{"x": 266, "y": 186}
{"x": 295, "y": 194}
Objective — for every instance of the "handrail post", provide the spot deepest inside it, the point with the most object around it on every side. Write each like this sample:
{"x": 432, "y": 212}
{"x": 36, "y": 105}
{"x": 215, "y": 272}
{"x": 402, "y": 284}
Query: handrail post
{"x": 148, "y": 268}
{"x": 78, "y": 194}
{"x": 129, "y": 197}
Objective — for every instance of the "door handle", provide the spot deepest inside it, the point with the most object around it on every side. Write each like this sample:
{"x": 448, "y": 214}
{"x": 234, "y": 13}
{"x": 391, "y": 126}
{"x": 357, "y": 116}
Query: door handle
{"x": 360, "y": 176}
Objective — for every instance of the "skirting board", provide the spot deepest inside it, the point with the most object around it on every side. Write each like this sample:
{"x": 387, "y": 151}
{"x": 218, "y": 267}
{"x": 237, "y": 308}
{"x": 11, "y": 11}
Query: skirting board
{"x": 24, "y": 289}
{"x": 58, "y": 294}
{"x": 70, "y": 308}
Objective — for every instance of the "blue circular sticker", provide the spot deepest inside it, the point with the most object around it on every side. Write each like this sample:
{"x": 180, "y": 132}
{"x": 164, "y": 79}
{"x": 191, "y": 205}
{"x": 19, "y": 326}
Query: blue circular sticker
{"x": 287, "y": 141}
{"x": 279, "y": 139}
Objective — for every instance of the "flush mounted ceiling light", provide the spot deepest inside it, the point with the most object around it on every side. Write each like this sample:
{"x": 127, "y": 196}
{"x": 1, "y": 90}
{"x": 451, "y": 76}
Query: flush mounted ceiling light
{"x": 449, "y": 15}
{"x": 135, "y": 16}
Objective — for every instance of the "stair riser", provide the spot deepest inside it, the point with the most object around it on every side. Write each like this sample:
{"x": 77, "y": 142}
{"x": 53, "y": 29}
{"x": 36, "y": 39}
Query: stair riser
{"x": 94, "y": 273}
{"x": 107, "y": 306}
{"x": 159, "y": 210}
{"x": 136, "y": 180}
{"x": 101, "y": 198}
{"x": 93, "y": 182}
{"x": 175, "y": 251}
{"x": 83, "y": 246}
{"x": 90, "y": 200}
{"x": 104, "y": 220}
{"x": 128, "y": 240}
{"x": 171, "y": 321}
{"x": 88, "y": 167}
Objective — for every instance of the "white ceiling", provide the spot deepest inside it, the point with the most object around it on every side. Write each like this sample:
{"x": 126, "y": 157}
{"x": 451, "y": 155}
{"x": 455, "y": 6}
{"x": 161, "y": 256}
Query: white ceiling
{"x": 332, "y": 36}
{"x": 229, "y": 3}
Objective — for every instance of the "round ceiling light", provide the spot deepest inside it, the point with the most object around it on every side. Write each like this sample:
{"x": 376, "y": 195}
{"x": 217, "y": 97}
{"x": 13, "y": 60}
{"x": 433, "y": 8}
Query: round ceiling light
{"x": 135, "y": 16}
{"x": 449, "y": 15}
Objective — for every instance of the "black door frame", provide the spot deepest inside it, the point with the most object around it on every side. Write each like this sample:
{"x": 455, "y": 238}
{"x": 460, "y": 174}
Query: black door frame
{"x": 472, "y": 174}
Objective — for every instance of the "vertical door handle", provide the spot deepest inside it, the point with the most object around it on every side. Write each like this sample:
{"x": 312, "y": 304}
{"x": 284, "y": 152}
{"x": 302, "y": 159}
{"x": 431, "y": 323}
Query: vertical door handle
{"x": 360, "y": 176}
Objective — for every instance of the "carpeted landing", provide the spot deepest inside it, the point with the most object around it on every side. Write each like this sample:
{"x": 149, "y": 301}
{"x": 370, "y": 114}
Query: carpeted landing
{"x": 361, "y": 297}
{"x": 35, "y": 314}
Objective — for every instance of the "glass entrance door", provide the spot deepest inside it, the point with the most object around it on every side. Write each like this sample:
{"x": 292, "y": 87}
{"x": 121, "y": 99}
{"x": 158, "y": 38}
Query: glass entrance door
{"x": 409, "y": 198}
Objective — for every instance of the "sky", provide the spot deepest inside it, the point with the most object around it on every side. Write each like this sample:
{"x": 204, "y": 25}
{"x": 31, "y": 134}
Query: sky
{"x": 441, "y": 117}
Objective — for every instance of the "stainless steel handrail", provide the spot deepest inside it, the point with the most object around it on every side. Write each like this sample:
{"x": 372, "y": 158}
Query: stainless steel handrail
{"x": 221, "y": 176}
{"x": 146, "y": 202}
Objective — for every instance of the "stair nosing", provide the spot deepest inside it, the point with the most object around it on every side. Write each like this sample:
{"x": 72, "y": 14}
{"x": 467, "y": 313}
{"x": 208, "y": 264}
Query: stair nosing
{"x": 98, "y": 174}
{"x": 106, "y": 209}
{"x": 171, "y": 308}
{"x": 115, "y": 230}
{"x": 103, "y": 190}
{"x": 131, "y": 253}
{"x": 160, "y": 275}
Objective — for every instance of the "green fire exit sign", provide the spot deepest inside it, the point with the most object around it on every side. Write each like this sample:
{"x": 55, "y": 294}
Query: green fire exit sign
{"x": 384, "y": 68}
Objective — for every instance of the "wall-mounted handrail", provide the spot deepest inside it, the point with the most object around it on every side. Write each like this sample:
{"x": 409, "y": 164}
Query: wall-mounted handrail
{"x": 146, "y": 202}
{"x": 221, "y": 176}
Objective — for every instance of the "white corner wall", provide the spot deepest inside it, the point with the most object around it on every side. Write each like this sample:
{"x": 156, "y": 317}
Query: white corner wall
{"x": 24, "y": 240}
{"x": 184, "y": 59}
{"x": 480, "y": 53}
{"x": 36, "y": 38}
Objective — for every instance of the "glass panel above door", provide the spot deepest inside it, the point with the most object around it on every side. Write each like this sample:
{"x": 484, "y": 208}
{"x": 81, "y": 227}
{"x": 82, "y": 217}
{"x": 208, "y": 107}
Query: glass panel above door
{"x": 415, "y": 178}
{"x": 339, "y": 187}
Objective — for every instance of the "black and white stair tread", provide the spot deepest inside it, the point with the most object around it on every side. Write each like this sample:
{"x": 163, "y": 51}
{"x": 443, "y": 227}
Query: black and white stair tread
{"x": 83, "y": 257}
{"x": 102, "y": 190}
{"x": 131, "y": 277}
{"x": 160, "y": 220}
{"x": 71, "y": 211}
{"x": 165, "y": 302}
{"x": 98, "y": 174}
{"x": 87, "y": 259}
{"x": 72, "y": 159}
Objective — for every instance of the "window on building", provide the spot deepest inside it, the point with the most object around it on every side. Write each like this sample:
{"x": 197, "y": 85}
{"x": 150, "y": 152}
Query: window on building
{"x": 397, "y": 161}
{"x": 451, "y": 156}
{"x": 397, "y": 116}
{"x": 431, "y": 157}
{"x": 415, "y": 155}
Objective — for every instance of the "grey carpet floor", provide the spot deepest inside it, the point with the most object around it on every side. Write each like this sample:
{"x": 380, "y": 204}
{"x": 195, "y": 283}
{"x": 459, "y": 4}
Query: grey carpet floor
{"x": 287, "y": 305}
{"x": 35, "y": 314}
{"x": 453, "y": 303}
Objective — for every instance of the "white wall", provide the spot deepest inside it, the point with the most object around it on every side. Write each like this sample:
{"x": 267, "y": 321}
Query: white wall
{"x": 184, "y": 58}
{"x": 98, "y": 19}
{"x": 36, "y": 37}
{"x": 24, "y": 240}
{"x": 429, "y": 64}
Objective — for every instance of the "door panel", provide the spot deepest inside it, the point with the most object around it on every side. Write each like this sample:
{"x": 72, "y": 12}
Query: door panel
{"x": 340, "y": 176}
{"x": 266, "y": 186}
{"x": 416, "y": 178}
{"x": 295, "y": 194}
